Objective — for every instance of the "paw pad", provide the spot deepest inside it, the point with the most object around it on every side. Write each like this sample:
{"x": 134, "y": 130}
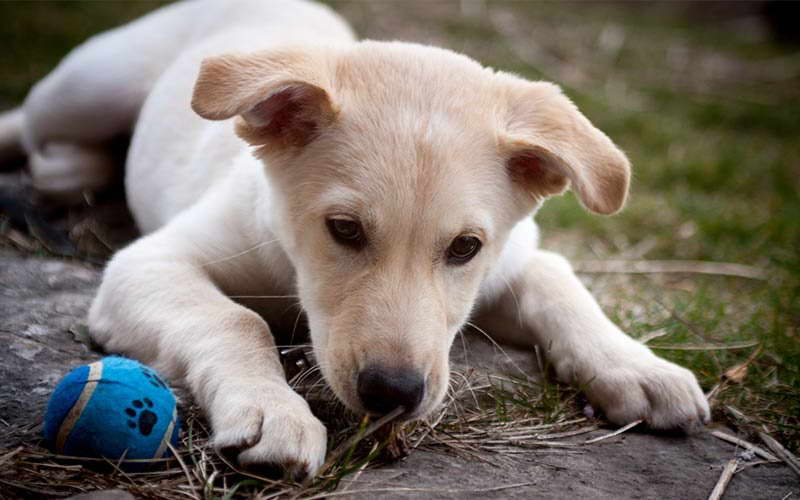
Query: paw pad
{"x": 141, "y": 417}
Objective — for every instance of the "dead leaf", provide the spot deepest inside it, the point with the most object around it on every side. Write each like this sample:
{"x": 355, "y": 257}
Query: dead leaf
{"x": 737, "y": 373}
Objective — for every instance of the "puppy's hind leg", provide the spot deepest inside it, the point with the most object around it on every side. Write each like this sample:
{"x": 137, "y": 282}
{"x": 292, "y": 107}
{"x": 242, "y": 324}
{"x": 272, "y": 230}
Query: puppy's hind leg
{"x": 66, "y": 169}
{"x": 61, "y": 169}
{"x": 93, "y": 97}
{"x": 70, "y": 117}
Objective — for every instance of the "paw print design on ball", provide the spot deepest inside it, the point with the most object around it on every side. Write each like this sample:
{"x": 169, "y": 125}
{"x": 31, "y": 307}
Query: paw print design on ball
{"x": 146, "y": 419}
{"x": 154, "y": 379}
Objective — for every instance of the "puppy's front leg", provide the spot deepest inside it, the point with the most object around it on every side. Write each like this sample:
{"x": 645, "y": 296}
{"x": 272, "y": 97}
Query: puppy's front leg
{"x": 546, "y": 305}
{"x": 158, "y": 305}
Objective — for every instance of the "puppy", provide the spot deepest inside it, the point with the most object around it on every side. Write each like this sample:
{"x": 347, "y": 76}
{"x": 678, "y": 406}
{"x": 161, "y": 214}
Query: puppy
{"x": 387, "y": 187}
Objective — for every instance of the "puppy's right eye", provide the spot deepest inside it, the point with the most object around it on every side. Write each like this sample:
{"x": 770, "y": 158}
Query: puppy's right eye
{"x": 346, "y": 231}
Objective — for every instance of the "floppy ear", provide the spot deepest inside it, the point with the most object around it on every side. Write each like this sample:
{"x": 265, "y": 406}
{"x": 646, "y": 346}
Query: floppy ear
{"x": 279, "y": 95}
{"x": 548, "y": 145}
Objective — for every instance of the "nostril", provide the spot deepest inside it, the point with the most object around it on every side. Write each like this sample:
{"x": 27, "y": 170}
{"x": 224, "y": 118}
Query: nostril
{"x": 383, "y": 390}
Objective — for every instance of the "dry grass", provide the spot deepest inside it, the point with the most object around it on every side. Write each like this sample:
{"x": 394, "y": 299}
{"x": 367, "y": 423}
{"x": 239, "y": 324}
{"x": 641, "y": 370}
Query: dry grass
{"x": 481, "y": 420}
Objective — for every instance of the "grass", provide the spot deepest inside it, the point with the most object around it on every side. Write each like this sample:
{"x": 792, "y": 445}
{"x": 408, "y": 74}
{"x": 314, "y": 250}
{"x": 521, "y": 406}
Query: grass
{"x": 717, "y": 178}
{"x": 709, "y": 113}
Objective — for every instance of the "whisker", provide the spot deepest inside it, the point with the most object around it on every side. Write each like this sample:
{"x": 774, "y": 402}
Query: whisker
{"x": 514, "y": 364}
{"x": 293, "y": 346}
{"x": 301, "y": 377}
{"x": 238, "y": 254}
{"x": 262, "y": 296}
{"x": 321, "y": 388}
{"x": 516, "y": 301}
{"x": 464, "y": 346}
{"x": 296, "y": 323}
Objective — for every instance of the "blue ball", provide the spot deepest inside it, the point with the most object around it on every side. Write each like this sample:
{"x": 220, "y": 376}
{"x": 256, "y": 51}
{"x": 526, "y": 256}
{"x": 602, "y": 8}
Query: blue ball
{"x": 112, "y": 408}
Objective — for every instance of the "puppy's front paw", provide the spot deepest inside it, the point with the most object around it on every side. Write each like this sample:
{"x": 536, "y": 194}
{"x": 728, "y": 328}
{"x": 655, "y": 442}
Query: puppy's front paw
{"x": 664, "y": 394}
{"x": 280, "y": 433}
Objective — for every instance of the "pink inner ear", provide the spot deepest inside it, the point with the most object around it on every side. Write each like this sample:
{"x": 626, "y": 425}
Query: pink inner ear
{"x": 290, "y": 114}
{"x": 526, "y": 168}
{"x": 277, "y": 107}
{"x": 536, "y": 173}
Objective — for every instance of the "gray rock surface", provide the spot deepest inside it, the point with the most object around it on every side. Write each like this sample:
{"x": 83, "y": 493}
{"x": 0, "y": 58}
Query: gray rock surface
{"x": 104, "y": 495}
{"x": 632, "y": 466}
{"x": 43, "y": 302}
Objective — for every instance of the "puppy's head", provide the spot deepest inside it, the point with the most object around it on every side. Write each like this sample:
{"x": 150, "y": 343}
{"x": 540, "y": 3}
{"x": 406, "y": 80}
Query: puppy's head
{"x": 399, "y": 172}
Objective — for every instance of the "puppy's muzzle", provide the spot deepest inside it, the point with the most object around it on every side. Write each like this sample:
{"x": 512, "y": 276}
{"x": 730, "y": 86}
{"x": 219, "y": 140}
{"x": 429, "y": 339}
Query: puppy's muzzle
{"x": 381, "y": 390}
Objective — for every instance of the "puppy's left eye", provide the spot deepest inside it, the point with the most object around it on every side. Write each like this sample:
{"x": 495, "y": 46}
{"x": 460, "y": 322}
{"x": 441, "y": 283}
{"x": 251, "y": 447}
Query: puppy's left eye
{"x": 463, "y": 249}
{"x": 347, "y": 232}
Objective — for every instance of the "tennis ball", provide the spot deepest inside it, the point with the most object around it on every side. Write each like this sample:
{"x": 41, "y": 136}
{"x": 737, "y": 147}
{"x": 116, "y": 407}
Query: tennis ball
{"x": 113, "y": 408}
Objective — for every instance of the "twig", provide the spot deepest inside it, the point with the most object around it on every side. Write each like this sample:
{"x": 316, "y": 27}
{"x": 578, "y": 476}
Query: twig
{"x": 30, "y": 488}
{"x": 781, "y": 452}
{"x": 247, "y": 473}
{"x": 688, "y": 324}
{"x": 724, "y": 479}
{"x": 647, "y": 337}
{"x": 761, "y": 452}
{"x": 670, "y": 266}
{"x": 8, "y": 456}
{"x": 575, "y": 432}
{"x": 346, "y": 484}
{"x": 712, "y": 394}
{"x": 118, "y": 467}
{"x": 428, "y": 490}
{"x": 532, "y": 444}
{"x": 615, "y": 433}
{"x": 705, "y": 347}
{"x": 338, "y": 452}
{"x": 428, "y": 430}
{"x": 738, "y": 413}
{"x": 185, "y": 469}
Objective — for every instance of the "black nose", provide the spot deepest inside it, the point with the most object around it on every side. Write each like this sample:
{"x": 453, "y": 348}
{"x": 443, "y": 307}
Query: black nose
{"x": 383, "y": 390}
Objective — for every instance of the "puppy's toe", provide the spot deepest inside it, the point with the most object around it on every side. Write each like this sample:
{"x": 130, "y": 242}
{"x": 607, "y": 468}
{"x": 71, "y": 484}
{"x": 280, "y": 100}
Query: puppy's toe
{"x": 675, "y": 397}
{"x": 240, "y": 431}
{"x": 663, "y": 394}
{"x": 277, "y": 437}
{"x": 296, "y": 443}
{"x": 622, "y": 402}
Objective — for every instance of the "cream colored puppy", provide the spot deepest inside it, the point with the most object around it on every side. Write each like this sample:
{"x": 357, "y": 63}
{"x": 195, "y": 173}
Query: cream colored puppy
{"x": 388, "y": 186}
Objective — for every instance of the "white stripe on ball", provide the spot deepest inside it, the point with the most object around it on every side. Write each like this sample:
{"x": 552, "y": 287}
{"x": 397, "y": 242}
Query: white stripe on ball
{"x": 95, "y": 374}
{"x": 167, "y": 434}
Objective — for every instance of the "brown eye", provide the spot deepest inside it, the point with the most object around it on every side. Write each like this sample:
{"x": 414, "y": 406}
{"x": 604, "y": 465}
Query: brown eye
{"x": 346, "y": 232}
{"x": 463, "y": 249}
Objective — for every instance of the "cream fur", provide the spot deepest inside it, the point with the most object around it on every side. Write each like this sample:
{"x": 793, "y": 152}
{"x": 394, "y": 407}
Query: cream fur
{"x": 419, "y": 144}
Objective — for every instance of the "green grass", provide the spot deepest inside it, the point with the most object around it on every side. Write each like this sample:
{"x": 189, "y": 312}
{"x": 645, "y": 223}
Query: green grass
{"x": 36, "y": 34}
{"x": 729, "y": 170}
